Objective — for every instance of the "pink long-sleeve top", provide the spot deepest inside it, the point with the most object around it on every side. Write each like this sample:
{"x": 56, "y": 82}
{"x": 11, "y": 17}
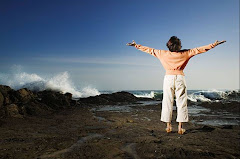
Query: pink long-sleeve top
{"x": 174, "y": 62}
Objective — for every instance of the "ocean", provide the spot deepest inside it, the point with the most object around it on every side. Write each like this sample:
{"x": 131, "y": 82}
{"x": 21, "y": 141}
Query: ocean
{"x": 193, "y": 95}
{"x": 206, "y": 107}
{"x": 200, "y": 100}
{"x": 62, "y": 82}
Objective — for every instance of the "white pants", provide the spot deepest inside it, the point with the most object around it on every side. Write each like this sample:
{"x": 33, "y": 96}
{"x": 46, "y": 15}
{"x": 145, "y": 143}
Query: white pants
{"x": 174, "y": 85}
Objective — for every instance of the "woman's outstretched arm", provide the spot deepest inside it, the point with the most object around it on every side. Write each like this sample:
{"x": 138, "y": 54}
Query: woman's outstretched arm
{"x": 151, "y": 51}
{"x": 202, "y": 49}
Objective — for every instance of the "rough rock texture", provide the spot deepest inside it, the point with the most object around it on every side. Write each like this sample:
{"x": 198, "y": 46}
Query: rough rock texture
{"x": 233, "y": 106}
{"x": 1, "y": 100}
{"x": 25, "y": 102}
{"x": 24, "y": 95}
{"x": 54, "y": 100}
{"x": 110, "y": 99}
{"x": 12, "y": 111}
{"x": 35, "y": 108}
{"x": 5, "y": 90}
{"x": 82, "y": 133}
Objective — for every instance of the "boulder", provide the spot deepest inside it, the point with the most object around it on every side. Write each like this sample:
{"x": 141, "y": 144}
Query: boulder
{"x": 95, "y": 100}
{"x": 24, "y": 95}
{"x": 10, "y": 95}
{"x": 25, "y": 102}
{"x": 124, "y": 97}
{"x": 68, "y": 96}
{"x": 5, "y": 90}
{"x": 12, "y": 111}
{"x": 54, "y": 99}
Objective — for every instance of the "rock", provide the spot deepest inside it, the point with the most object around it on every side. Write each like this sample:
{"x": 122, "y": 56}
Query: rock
{"x": 1, "y": 100}
{"x": 12, "y": 96}
{"x": 232, "y": 106}
{"x": 129, "y": 121}
{"x": 12, "y": 111}
{"x": 227, "y": 127}
{"x": 24, "y": 95}
{"x": 23, "y": 92}
{"x": 110, "y": 99}
{"x": 94, "y": 100}
{"x": 25, "y": 102}
{"x": 68, "y": 95}
{"x": 5, "y": 90}
{"x": 124, "y": 97}
{"x": 2, "y": 113}
{"x": 6, "y": 101}
{"x": 74, "y": 103}
{"x": 54, "y": 99}
{"x": 35, "y": 108}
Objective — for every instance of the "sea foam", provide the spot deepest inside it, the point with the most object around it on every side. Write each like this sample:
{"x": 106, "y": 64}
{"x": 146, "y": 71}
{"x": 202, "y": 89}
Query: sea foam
{"x": 144, "y": 94}
{"x": 195, "y": 95}
{"x": 214, "y": 95}
{"x": 61, "y": 82}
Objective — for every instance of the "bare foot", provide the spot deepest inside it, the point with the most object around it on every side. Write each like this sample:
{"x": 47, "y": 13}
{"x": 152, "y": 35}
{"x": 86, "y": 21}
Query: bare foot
{"x": 169, "y": 128}
{"x": 181, "y": 130}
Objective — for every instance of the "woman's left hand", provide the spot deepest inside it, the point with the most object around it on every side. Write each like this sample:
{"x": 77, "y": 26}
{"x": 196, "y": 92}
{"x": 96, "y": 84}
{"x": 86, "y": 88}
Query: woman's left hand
{"x": 132, "y": 44}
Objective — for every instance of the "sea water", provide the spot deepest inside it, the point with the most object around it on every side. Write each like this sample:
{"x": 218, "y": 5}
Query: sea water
{"x": 62, "y": 82}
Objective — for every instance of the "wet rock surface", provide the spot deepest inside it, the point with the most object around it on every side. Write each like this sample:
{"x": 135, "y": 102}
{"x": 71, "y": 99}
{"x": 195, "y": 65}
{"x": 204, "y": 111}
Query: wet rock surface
{"x": 81, "y": 132}
{"x": 50, "y": 124}
{"x": 110, "y": 99}
{"x": 48, "y": 101}
{"x": 233, "y": 106}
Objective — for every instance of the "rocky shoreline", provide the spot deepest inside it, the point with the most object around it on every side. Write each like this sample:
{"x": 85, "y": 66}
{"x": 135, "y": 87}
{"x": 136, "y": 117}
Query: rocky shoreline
{"x": 23, "y": 102}
{"x": 50, "y": 124}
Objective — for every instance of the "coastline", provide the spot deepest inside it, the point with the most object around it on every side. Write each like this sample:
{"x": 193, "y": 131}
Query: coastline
{"x": 111, "y": 126}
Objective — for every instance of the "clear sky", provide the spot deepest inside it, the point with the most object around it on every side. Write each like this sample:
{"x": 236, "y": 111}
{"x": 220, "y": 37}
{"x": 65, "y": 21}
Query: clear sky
{"x": 88, "y": 40}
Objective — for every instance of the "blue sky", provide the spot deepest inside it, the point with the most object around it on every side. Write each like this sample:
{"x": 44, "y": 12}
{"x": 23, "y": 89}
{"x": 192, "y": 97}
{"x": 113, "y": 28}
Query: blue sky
{"x": 88, "y": 40}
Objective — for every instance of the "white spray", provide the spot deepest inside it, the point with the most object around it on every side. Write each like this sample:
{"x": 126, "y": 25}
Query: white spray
{"x": 60, "y": 82}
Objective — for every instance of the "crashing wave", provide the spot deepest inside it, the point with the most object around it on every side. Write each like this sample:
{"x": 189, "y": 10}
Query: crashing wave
{"x": 196, "y": 96}
{"x": 141, "y": 94}
{"x": 214, "y": 95}
{"x": 60, "y": 82}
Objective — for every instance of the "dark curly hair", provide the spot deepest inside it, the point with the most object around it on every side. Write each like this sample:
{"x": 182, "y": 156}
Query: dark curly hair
{"x": 174, "y": 44}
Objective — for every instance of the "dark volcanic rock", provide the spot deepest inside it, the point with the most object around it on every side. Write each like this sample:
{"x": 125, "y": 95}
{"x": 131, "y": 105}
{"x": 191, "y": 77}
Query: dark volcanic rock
{"x": 25, "y": 102}
{"x": 35, "y": 108}
{"x": 12, "y": 111}
{"x": 54, "y": 99}
{"x": 24, "y": 95}
{"x": 68, "y": 96}
{"x": 1, "y": 100}
{"x": 5, "y": 90}
{"x": 233, "y": 106}
{"x": 109, "y": 99}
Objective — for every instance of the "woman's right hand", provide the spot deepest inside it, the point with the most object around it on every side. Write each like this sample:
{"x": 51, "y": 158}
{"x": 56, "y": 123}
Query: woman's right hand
{"x": 219, "y": 42}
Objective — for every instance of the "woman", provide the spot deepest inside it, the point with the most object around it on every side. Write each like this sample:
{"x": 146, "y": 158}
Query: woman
{"x": 174, "y": 61}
